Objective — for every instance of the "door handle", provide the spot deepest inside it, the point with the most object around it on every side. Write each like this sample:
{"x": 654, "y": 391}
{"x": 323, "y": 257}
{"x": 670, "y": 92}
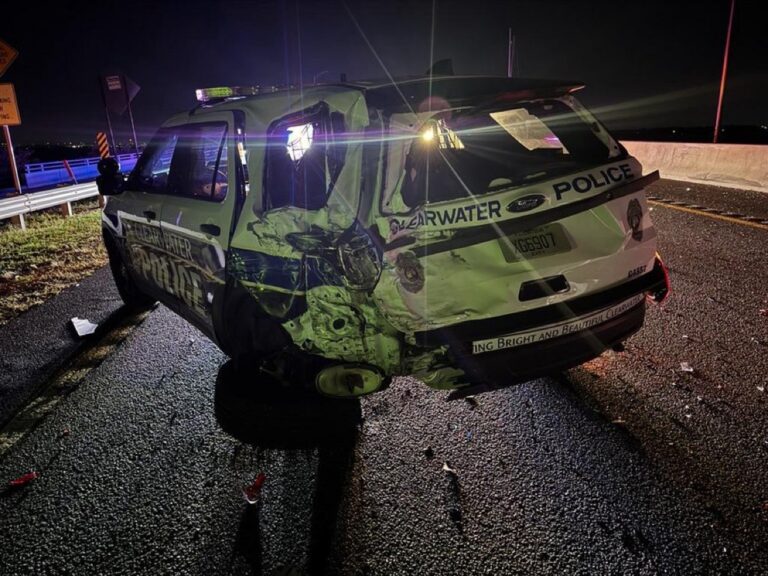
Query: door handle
{"x": 211, "y": 229}
{"x": 150, "y": 214}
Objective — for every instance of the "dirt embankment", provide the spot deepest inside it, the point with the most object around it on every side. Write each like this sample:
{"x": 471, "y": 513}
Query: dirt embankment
{"x": 52, "y": 254}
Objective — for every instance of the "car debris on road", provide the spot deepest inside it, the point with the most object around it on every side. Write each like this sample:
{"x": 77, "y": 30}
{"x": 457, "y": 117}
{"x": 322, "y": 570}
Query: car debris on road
{"x": 685, "y": 367}
{"x": 447, "y": 468}
{"x": 83, "y": 327}
{"x": 252, "y": 492}
{"x": 23, "y": 480}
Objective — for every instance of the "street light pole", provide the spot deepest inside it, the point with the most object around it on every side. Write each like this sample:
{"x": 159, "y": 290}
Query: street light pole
{"x": 725, "y": 70}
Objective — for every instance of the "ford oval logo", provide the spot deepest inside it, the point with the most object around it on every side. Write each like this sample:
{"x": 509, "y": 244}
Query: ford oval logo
{"x": 526, "y": 203}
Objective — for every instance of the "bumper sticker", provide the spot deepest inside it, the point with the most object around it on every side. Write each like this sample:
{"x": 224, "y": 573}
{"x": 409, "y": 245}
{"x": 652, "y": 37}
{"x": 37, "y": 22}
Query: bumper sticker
{"x": 554, "y": 330}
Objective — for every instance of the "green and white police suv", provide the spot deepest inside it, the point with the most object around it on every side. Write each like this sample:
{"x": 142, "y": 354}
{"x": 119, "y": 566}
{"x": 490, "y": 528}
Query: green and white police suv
{"x": 470, "y": 231}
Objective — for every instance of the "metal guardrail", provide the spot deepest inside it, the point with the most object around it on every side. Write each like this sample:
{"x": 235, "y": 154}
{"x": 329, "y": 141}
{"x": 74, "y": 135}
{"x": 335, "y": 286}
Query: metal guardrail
{"x": 26, "y": 203}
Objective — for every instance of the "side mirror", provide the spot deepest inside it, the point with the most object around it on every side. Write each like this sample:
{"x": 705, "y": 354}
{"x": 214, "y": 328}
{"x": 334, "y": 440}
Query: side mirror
{"x": 110, "y": 181}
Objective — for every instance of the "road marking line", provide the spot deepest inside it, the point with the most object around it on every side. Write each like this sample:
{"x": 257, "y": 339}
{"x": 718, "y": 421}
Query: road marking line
{"x": 743, "y": 222}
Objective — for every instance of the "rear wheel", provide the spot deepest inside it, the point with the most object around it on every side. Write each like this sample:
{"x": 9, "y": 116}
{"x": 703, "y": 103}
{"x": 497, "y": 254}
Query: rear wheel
{"x": 129, "y": 292}
{"x": 256, "y": 408}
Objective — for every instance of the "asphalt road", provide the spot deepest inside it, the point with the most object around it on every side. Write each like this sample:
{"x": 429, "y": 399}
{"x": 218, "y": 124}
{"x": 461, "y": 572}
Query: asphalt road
{"x": 627, "y": 465}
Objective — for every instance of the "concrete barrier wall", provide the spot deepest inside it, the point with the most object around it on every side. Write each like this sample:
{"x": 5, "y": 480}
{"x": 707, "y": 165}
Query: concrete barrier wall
{"x": 742, "y": 166}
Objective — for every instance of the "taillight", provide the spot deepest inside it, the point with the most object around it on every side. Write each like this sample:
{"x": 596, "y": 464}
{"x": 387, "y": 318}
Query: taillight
{"x": 661, "y": 291}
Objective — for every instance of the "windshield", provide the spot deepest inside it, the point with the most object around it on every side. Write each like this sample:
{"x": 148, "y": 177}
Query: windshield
{"x": 463, "y": 152}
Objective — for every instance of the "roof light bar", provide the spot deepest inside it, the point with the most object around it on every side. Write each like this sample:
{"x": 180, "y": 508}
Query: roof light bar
{"x": 208, "y": 94}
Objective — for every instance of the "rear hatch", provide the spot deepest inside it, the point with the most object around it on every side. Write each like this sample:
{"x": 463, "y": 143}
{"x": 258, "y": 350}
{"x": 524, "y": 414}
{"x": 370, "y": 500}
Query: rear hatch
{"x": 506, "y": 207}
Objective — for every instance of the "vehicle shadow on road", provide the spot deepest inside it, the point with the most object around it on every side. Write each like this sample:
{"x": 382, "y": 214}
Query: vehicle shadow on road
{"x": 277, "y": 420}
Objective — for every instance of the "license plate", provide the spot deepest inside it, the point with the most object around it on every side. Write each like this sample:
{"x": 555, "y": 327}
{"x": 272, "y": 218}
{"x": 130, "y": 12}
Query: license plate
{"x": 543, "y": 241}
{"x": 554, "y": 330}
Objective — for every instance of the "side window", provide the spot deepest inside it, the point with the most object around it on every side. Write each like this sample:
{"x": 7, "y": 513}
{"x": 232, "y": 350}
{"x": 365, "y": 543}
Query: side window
{"x": 151, "y": 171}
{"x": 305, "y": 155}
{"x": 199, "y": 165}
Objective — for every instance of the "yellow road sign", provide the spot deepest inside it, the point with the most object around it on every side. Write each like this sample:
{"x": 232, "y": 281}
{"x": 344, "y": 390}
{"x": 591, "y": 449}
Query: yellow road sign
{"x": 101, "y": 142}
{"x": 9, "y": 110}
{"x": 7, "y": 56}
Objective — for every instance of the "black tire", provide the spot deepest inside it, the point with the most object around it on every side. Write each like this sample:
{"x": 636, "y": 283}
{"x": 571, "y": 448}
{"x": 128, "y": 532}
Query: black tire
{"x": 129, "y": 292}
{"x": 257, "y": 409}
{"x": 243, "y": 330}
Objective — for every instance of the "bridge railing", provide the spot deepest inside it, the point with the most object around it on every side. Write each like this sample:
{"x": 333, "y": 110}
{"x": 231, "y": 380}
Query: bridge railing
{"x": 83, "y": 169}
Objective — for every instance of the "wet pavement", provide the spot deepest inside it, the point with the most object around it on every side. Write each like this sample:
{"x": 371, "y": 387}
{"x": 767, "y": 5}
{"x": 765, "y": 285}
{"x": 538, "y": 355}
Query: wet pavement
{"x": 34, "y": 345}
{"x": 629, "y": 464}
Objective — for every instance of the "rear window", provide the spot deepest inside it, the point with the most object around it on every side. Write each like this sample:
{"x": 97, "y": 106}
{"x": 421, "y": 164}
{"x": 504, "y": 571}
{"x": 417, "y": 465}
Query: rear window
{"x": 470, "y": 151}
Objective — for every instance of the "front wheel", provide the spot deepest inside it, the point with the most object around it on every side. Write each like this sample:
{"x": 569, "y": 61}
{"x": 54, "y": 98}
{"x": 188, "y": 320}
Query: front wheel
{"x": 129, "y": 292}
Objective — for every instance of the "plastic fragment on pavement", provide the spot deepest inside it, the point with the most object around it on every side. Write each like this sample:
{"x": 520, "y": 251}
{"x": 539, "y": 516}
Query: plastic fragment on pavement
{"x": 83, "y": 327}
{"x": 449, "y": 470}
{"x": 23, "y": 480}
{"x": 761, "y": 388}
{"x": 685, "y": 367}
{"x": 252, "y": 492}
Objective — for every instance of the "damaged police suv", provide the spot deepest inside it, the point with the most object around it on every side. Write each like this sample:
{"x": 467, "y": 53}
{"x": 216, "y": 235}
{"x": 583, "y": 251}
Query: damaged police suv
{"x": 470, "y": 231}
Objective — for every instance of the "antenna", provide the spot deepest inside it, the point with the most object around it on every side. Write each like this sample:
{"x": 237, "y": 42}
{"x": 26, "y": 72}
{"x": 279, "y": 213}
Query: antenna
{"x": 725, "y": 71}
{"x": 510, "y": 54}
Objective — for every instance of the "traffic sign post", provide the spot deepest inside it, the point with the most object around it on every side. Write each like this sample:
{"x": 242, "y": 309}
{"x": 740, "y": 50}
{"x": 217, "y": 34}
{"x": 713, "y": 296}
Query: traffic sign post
{"x": 9, "y": 116}
{"x": 9, "y": 109}
{"x": 7, "y": 56}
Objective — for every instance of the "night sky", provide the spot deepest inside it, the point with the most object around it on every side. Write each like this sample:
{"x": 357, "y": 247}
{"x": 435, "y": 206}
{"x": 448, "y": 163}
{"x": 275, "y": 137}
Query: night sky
{"x": 646, "y": 63}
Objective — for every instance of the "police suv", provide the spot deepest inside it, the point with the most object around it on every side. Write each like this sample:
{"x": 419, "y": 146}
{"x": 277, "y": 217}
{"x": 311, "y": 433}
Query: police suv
{"x": 470, "y": 231}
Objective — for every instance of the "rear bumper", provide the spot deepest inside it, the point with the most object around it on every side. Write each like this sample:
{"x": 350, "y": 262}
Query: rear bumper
{"x": 653, "y": 283}
{"x": 499, "y": 369}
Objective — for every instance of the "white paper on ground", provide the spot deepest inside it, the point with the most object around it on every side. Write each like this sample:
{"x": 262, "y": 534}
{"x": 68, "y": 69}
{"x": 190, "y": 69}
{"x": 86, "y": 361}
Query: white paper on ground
{"x": 83, "y": 327}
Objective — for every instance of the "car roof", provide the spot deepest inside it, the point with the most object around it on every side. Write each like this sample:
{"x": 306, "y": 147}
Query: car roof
{"x": 405, "y": 94}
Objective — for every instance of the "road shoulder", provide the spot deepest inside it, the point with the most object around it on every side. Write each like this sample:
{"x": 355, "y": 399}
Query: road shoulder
{"x": 40, "y": 341}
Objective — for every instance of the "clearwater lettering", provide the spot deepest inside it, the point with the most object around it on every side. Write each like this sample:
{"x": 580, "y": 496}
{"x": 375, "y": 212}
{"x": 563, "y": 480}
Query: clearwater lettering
{"x": 479, "y": 212}
{"x": 583, "y": 184}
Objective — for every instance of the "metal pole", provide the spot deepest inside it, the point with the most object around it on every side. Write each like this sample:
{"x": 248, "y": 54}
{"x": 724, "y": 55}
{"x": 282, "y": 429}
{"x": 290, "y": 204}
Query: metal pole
{"x": 725, "y": 70}
{"x": 133, "y": 129}
{"x": 17, "y": 220}
{"x": 510, "y": 51}
{"x": 130, "y": 115}
{"x": 106, "y": 111}
{"x": 111, "y": 134}
{"x": 12, "y": 159}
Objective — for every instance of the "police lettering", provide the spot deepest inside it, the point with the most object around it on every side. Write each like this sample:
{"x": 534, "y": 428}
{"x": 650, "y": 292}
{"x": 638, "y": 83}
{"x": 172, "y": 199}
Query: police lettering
{"x": 169, "y": 274}
{"x": 591, "y": 181}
